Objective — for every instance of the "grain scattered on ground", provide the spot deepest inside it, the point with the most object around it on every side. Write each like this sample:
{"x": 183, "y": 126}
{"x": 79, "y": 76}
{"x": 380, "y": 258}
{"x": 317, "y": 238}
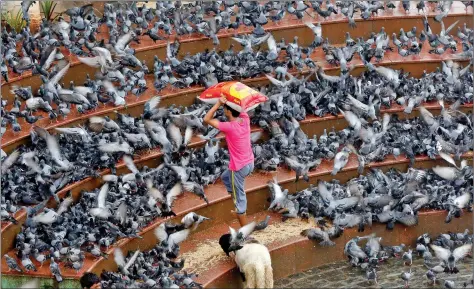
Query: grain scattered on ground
{"x": 203, "y": 257}
{"x": 208, "y": 253}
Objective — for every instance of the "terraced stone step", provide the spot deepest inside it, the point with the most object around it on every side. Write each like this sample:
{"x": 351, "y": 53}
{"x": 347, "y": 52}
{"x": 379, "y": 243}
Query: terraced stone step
{"x": 289, "y": 27}
{"x": 416, "y": 65}
{"x": 220, "y": 204}
{"x": 312, "y": 125}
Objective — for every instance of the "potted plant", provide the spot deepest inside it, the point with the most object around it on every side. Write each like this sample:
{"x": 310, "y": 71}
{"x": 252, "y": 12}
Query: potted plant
{"x": 13, "y": 20}
{"x": 47, "y": 9}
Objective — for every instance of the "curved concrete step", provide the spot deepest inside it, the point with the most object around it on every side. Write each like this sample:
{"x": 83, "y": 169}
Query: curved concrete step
{"x": 220, "y": 202}
{"x": 416, "y": 65}
{"x": 134, "y": 107}
{"x": 151, "y": 158}
{"x": 220, "y": 205}
{"x": 353, "y": 36}
{"x": 287, "y": 28}
{"x": 312, "y": 125}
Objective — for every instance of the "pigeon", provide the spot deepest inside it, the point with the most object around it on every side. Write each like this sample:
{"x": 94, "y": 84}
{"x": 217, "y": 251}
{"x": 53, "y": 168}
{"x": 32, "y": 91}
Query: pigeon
{"x": 263, "y": 224}
{"x": 239, "y": 237}
{"x": 192, "y": 219}
{"x": 279, "y": 196}
{"x": 406, "y": 276}
{"x": 196, "y": 189}
{"x": 450, "y": 257}
{"x": 301, "y": 169}
{"x": 12, "y": 264}
{"x": 407, "y": 257}
{"x": 171, "y": 240}
{"x": 449, "y": 284}
{"x": 54, "y": 267}
{"x": 430, "y": 275}
{"x": 340, "y": 160}
{"x": 103, "y": 59}
{"x": 317, "y": 31}
{"x": 101, "y": 210}
{"x": 354, "y": 252}
{"x": 27, "y": 264}
{"x": 318, "y": 234}
{"x": 120, "y": 260}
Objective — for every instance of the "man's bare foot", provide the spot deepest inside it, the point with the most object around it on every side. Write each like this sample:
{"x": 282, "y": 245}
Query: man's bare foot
{"x": 233, "y": 212}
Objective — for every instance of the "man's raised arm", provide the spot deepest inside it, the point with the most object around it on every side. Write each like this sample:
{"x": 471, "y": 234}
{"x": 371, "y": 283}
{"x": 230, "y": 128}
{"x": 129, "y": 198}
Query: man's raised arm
{"x": 208, "y": 118}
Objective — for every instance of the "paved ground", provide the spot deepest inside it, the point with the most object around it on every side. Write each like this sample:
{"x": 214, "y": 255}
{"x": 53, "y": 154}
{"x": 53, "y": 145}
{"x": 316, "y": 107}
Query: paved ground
{"x": 342, "y": 275}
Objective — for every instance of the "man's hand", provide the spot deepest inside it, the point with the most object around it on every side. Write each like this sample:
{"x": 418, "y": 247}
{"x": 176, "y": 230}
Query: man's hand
{"x": 208, "y": 117}
{"x": 223, "y": 99}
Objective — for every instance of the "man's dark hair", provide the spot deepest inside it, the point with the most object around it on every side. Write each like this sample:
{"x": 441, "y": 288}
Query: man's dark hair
{"x": 232, "y": 111}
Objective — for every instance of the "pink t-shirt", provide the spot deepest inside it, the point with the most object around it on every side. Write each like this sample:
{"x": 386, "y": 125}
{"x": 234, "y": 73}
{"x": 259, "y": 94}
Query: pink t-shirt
{"x": 237, "y": 134}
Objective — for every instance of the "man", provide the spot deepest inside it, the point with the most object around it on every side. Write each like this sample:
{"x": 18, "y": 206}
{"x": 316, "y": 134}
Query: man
{"x": 237, "y": 134}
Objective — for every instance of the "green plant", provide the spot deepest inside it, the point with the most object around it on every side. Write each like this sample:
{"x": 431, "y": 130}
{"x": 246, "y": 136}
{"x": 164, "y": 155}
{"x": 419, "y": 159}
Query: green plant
{"x": 14, "y": 20}
{"x": 47, "y": 8}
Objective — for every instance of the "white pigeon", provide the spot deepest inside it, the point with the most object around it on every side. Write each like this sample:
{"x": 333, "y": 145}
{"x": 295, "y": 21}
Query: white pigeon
{"x": 101, "y": 211}
{"x": 120, "y": 260}
{"x": 449, "y": 257}
{"x": 47, "y": 217}
{"x": 102, "y": 60}
{"x": 172, "y": 194}
{"x": 171, "y": 239}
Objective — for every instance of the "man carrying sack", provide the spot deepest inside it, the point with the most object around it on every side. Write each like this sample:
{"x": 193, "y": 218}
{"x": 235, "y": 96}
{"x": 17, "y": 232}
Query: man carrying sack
{"x": 237, "y": 134}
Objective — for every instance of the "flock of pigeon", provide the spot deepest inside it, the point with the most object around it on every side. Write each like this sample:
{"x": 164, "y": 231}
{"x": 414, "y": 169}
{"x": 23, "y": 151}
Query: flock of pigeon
{"x": 122, "y": 72}
{"x": 157, "y": 266}
{"x": 98, "y": 146}
{"x": 48, "y": 160}
{"x": 126, "y": 203}
{"x": 300, "y": 153}
{"x": 390, "y": 198}
{"x": 119, "y": 209}
{"x": 448, "y": 249}
{"x": 105, "y": 215}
